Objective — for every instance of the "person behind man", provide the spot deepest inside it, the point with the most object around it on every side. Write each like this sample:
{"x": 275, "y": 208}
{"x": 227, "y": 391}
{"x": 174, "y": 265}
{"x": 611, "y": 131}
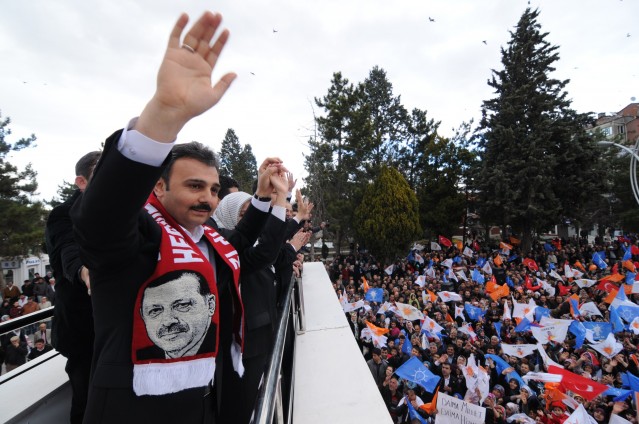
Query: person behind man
{"x": 164, "y": 194}
{"x": 377, "y": 365}
{"x": 258, "y": 289}
{"x": 227, "y": 185}
{"x": 41, "y": 333}
{"x": 72, "y": 325}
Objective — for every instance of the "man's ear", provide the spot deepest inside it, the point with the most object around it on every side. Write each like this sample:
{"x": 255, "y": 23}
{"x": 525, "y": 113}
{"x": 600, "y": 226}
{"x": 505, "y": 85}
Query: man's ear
{"x": 211, "y": 304}
{"x": 81, "y": 182}
{"x": 160, "y": 188}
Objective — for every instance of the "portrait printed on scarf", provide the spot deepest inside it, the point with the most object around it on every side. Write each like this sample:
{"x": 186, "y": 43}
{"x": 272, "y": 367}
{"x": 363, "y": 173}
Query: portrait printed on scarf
{"x": 177, "y": 310}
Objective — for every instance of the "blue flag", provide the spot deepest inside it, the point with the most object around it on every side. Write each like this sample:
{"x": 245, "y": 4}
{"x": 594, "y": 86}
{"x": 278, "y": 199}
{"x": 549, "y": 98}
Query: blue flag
{"x": 501, "y": 365}
{"x": 630, "y": 277}
{"x": 600, "y": 330}
{"x": 474, "y": 312}
{"x": 615, "y": 320}
{"x": 510, "y": 282}
{"x": 481, "y": 261}
{"x": 548, "y": 247}
{"x": 411, "y": 256}
{"x": 627, "y": 254}
{"x": 598, "y": 259}
{"x": 578, "y": 329}
{"x": 413, "y": 370}
{"x": 407, "y": 347}
{"x": 412, "y": 414}
{"x": 476, "y": 276}
{"x": 524, "y": 325}
{"x": 551, "y": 265}
{"x": 630, "y": 380}
{"x": 457, "y": 259}
{"x": 375, "y": 295}
{"x": 541, "y": 312}
{"x": 575, "y": 306}
{"x": 498, "y": 329}
{"x": 628, "y": 313}
{"x": 620, "y": 394}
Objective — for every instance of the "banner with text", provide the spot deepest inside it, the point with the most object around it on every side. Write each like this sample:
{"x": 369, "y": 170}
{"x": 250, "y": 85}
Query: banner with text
{"x": 451, "y": 410}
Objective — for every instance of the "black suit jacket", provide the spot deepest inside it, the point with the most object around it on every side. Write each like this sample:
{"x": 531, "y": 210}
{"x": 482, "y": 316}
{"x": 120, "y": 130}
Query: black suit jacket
{"x": 119, "y": 243}
{"x": 72, "y": 326}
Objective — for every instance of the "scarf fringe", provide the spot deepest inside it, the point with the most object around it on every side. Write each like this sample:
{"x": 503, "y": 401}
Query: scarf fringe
{"x": 163, "y": 378}
{"x": 236, "y": 356}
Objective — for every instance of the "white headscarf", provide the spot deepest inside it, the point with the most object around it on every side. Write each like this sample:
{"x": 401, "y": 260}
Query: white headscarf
{"x": 227, "y": 214}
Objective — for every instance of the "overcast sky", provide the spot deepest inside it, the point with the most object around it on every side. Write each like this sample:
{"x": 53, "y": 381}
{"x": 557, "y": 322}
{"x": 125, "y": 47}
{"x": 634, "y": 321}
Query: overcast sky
{"x": 74, "y": 71}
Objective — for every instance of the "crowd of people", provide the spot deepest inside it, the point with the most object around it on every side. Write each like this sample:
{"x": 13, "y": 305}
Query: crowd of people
{"x": 498, "y": 327}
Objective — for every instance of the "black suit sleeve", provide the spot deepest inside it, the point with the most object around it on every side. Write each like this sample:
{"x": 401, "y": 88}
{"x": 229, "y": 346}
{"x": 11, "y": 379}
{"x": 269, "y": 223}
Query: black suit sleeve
{"x": 266, "y": 251}
{"x": 63, "y": 250}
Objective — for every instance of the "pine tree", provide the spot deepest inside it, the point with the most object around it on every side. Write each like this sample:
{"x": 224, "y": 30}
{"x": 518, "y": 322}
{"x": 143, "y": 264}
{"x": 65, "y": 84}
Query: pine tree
{"x": 22, "y": 220}
{"x": 238, "y": 161}
{"x": 387, "y": 220}
{"x": 535, "y": 152}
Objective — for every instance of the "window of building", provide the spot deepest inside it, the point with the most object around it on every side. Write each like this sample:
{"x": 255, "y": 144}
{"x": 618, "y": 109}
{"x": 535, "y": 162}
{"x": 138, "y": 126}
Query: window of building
{"x": 621, "y": 129}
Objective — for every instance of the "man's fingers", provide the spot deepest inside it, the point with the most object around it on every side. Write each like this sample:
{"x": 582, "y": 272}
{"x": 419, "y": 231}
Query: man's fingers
{"x": 174, "y": 38}
{"x": 214, "y": 52}
{"x": 223, "y": 84}
{"x": 196, "y": 34}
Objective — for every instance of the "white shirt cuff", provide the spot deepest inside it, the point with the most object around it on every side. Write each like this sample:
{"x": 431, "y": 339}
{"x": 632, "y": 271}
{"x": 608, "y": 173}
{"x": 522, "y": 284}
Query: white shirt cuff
{"x": 139, "y": 148}
{"x": 279, "y": 212}
{"x": 261, "y": 206}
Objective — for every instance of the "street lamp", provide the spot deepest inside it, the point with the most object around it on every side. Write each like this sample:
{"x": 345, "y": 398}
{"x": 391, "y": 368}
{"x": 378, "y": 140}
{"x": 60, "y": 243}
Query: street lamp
{"x": 633, "y": 164}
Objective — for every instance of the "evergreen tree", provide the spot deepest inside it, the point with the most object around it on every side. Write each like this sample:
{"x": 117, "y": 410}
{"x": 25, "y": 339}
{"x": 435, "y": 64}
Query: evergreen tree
{"x": 531, "y": 141}
{"x": 387, "y": 219}
{"x": 237, "y": 161}
{"x": 65, "y": 191}
{"x": 22, "y": 220}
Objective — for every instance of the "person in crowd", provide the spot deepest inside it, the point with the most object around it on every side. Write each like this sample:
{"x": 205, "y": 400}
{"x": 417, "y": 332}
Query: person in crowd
{"x": 15, "y": 353}
{"x": 40, "y": 349}
{"x": 11, "y": 292}
{"x": 72, "y": 324}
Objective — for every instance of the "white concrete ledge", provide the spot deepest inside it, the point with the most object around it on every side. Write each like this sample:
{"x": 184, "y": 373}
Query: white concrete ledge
{"x": 32, "y": 387}
{"x": 332, "y": 381}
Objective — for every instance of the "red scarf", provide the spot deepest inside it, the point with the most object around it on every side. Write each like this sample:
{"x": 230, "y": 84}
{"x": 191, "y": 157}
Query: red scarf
{"x": 174, "y": 344}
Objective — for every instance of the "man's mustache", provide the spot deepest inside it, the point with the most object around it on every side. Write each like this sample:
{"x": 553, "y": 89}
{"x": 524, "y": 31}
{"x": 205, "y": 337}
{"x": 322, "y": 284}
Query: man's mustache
{"x": 202, "y": 207}
{"x": 173, "y": 329}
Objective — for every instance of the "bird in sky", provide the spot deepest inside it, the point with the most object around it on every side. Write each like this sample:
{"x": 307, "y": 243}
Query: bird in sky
{"x": 252, "y": 73}
{"x": 274, "y": 31}
{"x": 627, "y": 35}
{"x": 484, "y": 41}
{"x": 431, "y": 19}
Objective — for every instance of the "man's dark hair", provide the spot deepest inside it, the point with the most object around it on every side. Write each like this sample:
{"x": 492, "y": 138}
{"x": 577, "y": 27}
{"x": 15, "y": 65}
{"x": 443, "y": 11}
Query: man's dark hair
{"x": 192, "y": 150}
{"x": 174, "y": 275}
{"x": 226, "y": 183}
{"x": 84, "y": 167}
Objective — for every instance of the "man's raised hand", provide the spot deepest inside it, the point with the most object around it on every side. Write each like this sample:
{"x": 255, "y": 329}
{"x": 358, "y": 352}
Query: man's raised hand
{"x": 184, "y": 88}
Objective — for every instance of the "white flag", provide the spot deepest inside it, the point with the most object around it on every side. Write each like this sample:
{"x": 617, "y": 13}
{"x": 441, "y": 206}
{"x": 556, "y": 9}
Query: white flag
{"x": 430, "y": 272}
{"x": 507, "y": 314}
{"x": 461, "y": 274}
{"x": 518, "y": 350}
{"x": 421, "y": 281}
{"x": 435, "y": 246}
{"x": 584, "y": 282}
{"x": 616, "y": 419}
{"x": 448, "y": 263}
{"x": 634, "y": 326}
{"x": 431, "y": 326}
{"x": 408, "y": 312}
{"x": 550, "y": 333}
{"x": 544, "y": 356}
{"x": 568, "y": 271}
{"x": 349, "y": 307}
{"x": 459, "y": 312}
{"x": 447, "y": 296}
{"x": 527, "y": 310}
{"x": 487, "y": 269}
{"x": 580, "y": 416}
{"x": 467, "y": 252}
{"x": 389, "y": 269}
{"x": 576, "y": 273}
{"x": 520, "y": 418}
{"x": 589, "y": 309}
{"x": 554, "y": 275}
{"x": 609, "y": 347}
{"x": 549, "y": 289}
{"x": 543, "y": 377}
{"x": 468, "y": 330}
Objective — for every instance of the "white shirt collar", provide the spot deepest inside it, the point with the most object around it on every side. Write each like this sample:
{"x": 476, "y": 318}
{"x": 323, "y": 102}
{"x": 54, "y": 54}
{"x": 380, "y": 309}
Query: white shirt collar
{"x": 196, "y": 235}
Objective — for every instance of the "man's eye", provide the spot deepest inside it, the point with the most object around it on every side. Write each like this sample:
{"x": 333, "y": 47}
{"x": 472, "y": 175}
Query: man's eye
{"x": 183, "y": 306}
{"x": 154, "y": 312}
{"x": 195, "y": 186}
